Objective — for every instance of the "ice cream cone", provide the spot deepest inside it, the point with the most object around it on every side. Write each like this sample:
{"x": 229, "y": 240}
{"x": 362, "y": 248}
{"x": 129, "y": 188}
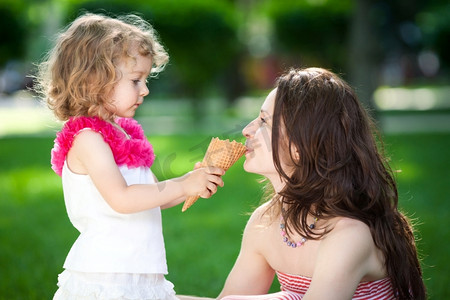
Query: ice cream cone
{"x": 221, "y": 154}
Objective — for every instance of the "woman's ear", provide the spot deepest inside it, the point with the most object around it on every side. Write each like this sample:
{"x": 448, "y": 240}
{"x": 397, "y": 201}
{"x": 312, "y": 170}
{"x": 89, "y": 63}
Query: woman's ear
{"x": 295, "y": 155}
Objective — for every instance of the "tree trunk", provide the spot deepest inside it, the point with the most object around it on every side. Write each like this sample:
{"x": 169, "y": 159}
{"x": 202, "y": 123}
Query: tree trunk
{"x": 363, "y": 54}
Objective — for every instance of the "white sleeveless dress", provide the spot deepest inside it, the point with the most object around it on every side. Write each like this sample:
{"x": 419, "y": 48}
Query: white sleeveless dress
{"x": 116, "y": 256}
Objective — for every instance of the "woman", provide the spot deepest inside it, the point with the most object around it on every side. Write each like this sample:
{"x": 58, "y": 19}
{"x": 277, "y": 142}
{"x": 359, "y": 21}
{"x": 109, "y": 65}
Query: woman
{"x": 332, "y": 229}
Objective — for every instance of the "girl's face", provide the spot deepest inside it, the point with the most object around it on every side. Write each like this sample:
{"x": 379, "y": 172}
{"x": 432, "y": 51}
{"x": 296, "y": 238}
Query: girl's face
{"x": 130, "y": 90}
{"x": 258, "y": 158}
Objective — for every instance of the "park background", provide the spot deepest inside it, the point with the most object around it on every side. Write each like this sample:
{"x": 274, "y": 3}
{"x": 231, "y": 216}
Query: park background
{"x": 224, "y": 58}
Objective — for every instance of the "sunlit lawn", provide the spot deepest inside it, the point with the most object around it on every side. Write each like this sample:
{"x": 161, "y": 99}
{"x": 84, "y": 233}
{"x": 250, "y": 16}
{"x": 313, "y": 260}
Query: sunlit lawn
{"x": 202, "y": 243}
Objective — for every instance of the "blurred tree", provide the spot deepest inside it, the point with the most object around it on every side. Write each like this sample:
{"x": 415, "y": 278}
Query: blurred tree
{"x": 386, "y": 35}
{"x": 13, "y": 24}
{"x": 363, "y": 38}
{"x": 364, "y": 53}
{"x": 434, "y": 22}
{"x": 200, "y": 37}
{"x": 311, "y": 32}
{"x": 334, "y": 34}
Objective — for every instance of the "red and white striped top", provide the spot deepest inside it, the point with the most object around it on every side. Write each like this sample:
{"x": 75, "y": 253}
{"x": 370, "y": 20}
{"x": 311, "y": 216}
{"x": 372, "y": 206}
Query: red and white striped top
{"x": 294, "y": 287}
{"x": 378, "y": 289}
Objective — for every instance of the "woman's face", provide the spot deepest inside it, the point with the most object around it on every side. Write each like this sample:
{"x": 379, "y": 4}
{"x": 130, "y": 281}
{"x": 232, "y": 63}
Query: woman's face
{"x": 258, "y": 158}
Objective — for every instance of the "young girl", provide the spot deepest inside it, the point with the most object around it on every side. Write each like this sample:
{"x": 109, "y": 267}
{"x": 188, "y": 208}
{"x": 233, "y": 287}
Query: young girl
{"x": 332, "y": 229}
{"x": 95, "y": 79}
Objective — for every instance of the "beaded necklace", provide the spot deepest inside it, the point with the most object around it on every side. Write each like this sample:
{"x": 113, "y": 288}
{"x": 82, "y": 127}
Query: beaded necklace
{"x": 285, "y": 236}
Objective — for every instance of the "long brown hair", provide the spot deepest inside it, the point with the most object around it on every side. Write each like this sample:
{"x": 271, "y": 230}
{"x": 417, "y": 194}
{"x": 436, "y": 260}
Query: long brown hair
{"x": 81, "y": 70}
{"x": 340, "y": 169}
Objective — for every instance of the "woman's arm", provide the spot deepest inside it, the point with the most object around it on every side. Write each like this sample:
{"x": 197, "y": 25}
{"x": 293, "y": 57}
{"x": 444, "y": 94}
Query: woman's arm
{"x": 91, "y": 155}
{"x": 251, "y": 274}
{"x": 346, "y": 256}
{"x": 182, "y": 297}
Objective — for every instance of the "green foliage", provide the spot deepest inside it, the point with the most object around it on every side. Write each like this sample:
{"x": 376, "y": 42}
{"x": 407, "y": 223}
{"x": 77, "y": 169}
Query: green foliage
{"x": 435, "y": 25}
{"x": 200, "y": 35}
{"x": 314, "y": 32}
{"x": 13, "y": 31}
{"x": 203, "y": 242}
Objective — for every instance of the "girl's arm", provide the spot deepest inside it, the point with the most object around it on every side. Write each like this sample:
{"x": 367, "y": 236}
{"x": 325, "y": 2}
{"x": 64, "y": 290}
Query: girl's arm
{"x": 91, "y": 155}
{"x": 251, "y": 274}
{"x": 173, "y": 202}
{"x": 346, "y": 256}
{"x": 177, "y": 201}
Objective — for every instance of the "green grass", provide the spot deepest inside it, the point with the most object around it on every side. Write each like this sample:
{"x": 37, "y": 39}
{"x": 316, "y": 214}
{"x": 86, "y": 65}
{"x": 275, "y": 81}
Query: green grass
{"x": 424, "y": 186}
{"x": 203, "y": 242}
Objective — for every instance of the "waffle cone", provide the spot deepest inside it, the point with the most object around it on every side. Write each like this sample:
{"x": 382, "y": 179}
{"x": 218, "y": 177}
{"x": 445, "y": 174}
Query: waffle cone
{"x": 221, "y": 154}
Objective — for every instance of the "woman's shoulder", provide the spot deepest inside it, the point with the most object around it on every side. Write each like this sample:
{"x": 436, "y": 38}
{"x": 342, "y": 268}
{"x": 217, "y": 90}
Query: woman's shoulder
{"x": 345, "y": 222}
{"x": 262, "y": 214}
{"x": 260, "y": 220}
{"x": 258, "y": 229}
{"x": 344, "y": 228}
{"x": 351, "y": 241}
{"x": 347, "y": 237}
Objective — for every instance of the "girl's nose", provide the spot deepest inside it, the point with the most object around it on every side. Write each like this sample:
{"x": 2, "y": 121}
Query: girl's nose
{"x": 144, "y": 91}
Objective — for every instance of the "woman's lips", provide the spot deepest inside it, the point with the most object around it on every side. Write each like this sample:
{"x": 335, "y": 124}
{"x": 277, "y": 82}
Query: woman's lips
{"x": 249, "y": 150}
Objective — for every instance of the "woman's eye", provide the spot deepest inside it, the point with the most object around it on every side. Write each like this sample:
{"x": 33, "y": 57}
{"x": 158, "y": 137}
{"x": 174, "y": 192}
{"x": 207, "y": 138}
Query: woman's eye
{"x": 136, "y": 81}
{"x": 263, "y": 121}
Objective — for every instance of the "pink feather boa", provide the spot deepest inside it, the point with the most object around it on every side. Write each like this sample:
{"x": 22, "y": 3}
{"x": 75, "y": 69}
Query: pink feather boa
{"x": 133, "y": 152}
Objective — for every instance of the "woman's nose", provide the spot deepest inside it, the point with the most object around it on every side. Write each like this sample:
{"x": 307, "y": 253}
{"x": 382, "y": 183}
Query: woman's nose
{"x": 248, "y": 130}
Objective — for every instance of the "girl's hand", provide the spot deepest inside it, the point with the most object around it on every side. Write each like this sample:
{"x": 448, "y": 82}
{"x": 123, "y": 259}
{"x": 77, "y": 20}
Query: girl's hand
{"x": 202, "y": 182}
{"x": 197, "y": 165}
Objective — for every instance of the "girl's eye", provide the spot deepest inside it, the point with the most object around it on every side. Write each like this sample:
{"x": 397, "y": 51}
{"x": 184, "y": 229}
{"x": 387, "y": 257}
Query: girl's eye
{"x": 137, "y": 81}
{"x": 262, "y": 120}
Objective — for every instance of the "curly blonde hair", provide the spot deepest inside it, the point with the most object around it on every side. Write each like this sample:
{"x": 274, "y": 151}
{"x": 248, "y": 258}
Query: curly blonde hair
{"x": 81, "y": 70}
